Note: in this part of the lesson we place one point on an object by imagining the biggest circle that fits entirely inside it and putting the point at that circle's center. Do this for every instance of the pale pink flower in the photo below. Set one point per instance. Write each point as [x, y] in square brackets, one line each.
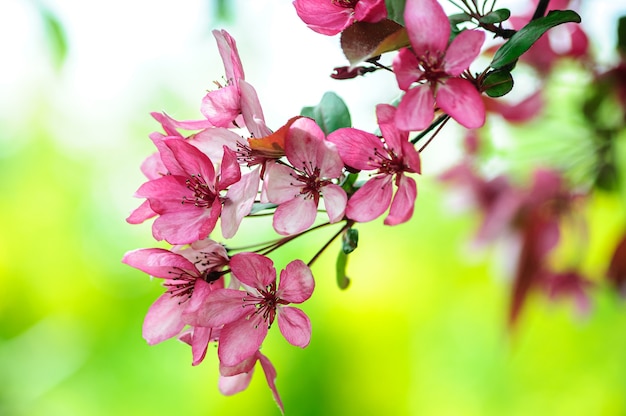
[234, 379]
[391, 156]
[330, 17]
[436, 67]
[297, 189]
[187, 199]
[247, 316]
[189, 276]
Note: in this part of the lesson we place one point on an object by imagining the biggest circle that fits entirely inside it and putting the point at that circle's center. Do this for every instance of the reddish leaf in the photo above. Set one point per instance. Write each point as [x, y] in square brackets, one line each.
[273, 145]
[362, 41]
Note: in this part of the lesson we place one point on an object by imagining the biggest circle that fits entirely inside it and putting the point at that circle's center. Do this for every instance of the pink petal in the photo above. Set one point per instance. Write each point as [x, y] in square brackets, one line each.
[427, 25]
[239, 200]
[386, 116]
[406, 68]
[357, 148]
[199, 342]
[211, 142]
[227, 48]
[302, 141]
[294, 216]
[252, 111]
[281, 186]
[416, 109]
[222, 106]
[229, 385]
[220, 307]
[410, 157]
[159, 262]
[241, 339]
[370, 11]
[192, 161]
[294, 325]
[186, 226]
[270, 376]
[335, 200]
[462, 51]
[403, 202]
[245, 366]
[230, 172]
[323, 16]
[141, 213]
[163, 320]
[460, 100]
[371, 200]
[296, 282]
[253, 269]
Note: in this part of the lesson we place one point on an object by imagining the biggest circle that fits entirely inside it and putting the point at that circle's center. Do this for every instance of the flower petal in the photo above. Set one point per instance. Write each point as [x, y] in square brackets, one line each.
[357, 148]
[241, 339]
[159, 262]
[294, 216]
[229, 385]
[222, 106]
[371, 200]
[296, 282]
[403, 202]
[294, 325]
[220, 307]
[270, 376]
[239, 200]
[253, 269]
[461, 101]
[416, 109]
[462, 51]
[427, 25]
[335, 200]
[406, 68]
[163, 320]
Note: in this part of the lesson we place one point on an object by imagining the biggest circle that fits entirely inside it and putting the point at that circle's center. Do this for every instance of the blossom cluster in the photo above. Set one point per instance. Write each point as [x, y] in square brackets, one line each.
[230, 164]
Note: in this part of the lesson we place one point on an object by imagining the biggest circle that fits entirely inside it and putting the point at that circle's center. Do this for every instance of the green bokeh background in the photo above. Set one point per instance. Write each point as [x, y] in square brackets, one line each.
[420, 331]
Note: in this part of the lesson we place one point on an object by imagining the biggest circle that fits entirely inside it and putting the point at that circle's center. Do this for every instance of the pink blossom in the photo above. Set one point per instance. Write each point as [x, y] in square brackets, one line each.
[189, 276]
[247, 316]
[392, 156]
[297, 189]
[330, 17]
[187, 199]
[436, 67]
[234, 379]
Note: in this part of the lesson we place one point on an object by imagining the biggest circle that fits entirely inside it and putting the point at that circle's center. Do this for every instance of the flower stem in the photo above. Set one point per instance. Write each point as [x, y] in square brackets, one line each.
[434, 124]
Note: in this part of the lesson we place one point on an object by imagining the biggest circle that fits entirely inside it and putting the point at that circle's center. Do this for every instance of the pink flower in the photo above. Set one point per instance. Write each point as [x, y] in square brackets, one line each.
[247, 316]
[234, 379]
[330, 17]
[391, 156]
[437, 68]
[189, 276]
[187, 199]
[297, 189]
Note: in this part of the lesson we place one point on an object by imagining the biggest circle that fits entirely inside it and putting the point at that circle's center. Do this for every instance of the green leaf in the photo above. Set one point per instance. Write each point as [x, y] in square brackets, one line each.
[496, 16]
[395, 10]
[497, 83]
[330, 114]
[258, 207]
[340, 267]
[348, 183]
[523, 39]
[457, 18]
[621, 34]
[56, 36]
[350, 240]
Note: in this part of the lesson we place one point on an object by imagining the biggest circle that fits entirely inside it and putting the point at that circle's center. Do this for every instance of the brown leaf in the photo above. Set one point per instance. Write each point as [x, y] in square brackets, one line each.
[362, 41]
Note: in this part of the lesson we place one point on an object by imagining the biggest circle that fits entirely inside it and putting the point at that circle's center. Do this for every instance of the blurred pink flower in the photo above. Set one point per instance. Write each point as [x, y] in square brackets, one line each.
[330, 17]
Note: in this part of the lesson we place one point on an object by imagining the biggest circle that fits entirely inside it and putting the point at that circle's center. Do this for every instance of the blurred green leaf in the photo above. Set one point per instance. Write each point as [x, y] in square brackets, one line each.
[523, 39]
[395, 10]
[55, 36]
[342, 280]
[498, 83]
[621, 34]
[330, 114]
[496, 16]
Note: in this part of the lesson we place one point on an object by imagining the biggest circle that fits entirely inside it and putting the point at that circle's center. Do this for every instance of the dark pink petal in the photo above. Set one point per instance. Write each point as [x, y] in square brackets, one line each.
[416, 109]
[357, 148]
[245, 366]
[252, 111]
[239, 200]
[270, 376]
[220, 307]
[253, 269]
[462, 51]
[227, 47]
[153, 166]
[371, 11]
[520, 112]
[241, 339]
[406, 68]
[164, 192]
[294, 325]
[371, 200]
[460, 100]
[294, 216]
[281, 185]
[222, 106]
[163, 320]
[296, 282]
[159, 262]
[192, 161]
[403, 202]
[428, 26]
[323, 17]
[386, 116]
[170, 125]
[187, 225]
[199, 342]
[335, 200]
[230, 172]
[141, 213]
[410, 157]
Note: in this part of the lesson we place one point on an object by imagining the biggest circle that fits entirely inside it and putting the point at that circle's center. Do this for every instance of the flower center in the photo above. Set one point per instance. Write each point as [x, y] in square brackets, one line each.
[265, 303]
[202, 194]
[180, 284]
[432, 66]
[348, 4]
